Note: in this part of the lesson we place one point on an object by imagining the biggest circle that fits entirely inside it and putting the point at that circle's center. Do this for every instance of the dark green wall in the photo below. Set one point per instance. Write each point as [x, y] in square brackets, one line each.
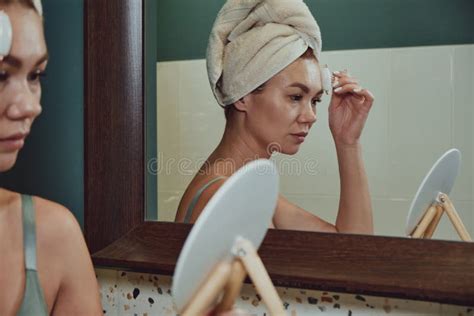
[51, 163]
[184, 25]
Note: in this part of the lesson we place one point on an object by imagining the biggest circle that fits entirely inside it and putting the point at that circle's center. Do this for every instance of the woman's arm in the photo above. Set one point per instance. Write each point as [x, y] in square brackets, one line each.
[78, 291]
[348, 111]
[290, 216]
[63, 251]
[355, 208]
[355, 212]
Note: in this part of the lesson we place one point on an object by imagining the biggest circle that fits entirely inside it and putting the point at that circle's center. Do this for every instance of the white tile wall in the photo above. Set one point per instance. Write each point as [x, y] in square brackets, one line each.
[424, 106]
[420, 109]
[169, 138]
[472, 105]
[463, 112]
[390, 216]
[446, 229]
[472, 138]
[168, 203]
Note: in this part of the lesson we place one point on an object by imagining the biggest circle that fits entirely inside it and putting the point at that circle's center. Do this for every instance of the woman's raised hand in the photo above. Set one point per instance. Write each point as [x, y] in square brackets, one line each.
[348, 110]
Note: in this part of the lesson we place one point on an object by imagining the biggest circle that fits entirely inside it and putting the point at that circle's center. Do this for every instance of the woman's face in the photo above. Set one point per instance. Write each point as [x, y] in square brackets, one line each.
[20, 88]
[282, 111]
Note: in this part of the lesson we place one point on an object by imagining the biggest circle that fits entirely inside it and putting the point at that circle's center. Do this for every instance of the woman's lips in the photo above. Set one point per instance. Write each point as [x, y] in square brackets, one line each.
[299, 137]
[12, 143]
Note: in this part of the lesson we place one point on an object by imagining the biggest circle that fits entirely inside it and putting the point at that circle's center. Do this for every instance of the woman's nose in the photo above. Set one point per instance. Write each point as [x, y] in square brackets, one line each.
[24, 103]
[308, 115]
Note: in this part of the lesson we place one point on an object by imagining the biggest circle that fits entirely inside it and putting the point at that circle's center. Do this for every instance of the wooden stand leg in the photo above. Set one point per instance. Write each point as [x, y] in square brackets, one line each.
[434, 223]
[209, 290]
[454, 217]
[233, 287]
[259, 276]
[425, 221]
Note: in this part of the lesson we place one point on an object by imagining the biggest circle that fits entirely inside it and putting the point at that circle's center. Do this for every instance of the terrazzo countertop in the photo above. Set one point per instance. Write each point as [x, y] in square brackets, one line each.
[141, 294]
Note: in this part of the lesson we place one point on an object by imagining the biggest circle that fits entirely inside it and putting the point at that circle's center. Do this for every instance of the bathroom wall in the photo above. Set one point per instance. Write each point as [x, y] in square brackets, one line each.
[344, 24]
[129, 293]
[424, 106]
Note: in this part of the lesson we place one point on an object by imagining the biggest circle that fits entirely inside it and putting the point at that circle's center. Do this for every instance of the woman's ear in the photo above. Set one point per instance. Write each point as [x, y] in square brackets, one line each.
[242, 104]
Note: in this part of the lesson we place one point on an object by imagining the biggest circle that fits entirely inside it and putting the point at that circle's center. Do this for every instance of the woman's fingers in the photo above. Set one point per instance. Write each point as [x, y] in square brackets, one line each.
[365, 93]
[338, 82]
[347, 88]
[341, 73]
[342, 78]
[344, 83]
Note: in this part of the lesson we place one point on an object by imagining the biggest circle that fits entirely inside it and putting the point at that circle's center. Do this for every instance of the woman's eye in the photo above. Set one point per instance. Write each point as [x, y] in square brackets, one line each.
[315, 102]
[296, 97]
[3, 76]
[36, 76]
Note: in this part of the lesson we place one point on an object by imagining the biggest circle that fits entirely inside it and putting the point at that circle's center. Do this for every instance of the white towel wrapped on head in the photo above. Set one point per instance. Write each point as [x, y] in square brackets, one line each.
[253, 40]
[38, 7]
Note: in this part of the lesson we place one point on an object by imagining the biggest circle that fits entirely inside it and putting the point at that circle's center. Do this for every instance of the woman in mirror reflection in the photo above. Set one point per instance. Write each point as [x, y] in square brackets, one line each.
[45, 267]
[263, 62]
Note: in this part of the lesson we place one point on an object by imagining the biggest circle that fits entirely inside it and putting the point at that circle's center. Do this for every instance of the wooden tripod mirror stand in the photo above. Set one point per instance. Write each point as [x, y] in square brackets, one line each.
[222, 246]
[432, 216]
[432, 199]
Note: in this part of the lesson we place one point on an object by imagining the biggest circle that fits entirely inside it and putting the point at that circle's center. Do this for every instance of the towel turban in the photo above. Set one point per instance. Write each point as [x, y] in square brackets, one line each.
[38, 7]
[253, 40]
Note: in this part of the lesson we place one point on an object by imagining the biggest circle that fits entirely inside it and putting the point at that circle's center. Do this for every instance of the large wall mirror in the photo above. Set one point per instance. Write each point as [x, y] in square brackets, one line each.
[420, 73]
[151, 120]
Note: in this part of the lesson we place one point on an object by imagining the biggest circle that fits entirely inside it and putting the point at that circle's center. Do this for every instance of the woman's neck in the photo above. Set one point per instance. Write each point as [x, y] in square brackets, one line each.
[236, 149]
[6, 197]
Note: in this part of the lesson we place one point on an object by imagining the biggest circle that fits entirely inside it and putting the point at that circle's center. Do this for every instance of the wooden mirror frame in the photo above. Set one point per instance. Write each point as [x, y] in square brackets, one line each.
[118, 235]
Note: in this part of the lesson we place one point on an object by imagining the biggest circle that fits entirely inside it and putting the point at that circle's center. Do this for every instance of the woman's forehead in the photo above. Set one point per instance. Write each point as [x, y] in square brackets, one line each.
[28, 35]
[303, 70]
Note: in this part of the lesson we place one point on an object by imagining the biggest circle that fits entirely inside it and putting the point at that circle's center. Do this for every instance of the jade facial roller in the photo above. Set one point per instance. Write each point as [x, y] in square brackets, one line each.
[5, 34]
[326, 77]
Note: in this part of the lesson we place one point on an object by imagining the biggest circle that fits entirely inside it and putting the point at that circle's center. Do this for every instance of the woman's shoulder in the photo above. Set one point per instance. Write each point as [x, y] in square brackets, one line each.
[45, 210]
[201, 189]
[63, 259]
[57, 228]
[53, 215]
[207, 185]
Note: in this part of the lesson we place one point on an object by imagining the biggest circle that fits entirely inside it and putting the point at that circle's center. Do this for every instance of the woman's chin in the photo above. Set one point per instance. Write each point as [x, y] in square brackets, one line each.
[7, 161]
[290, 150]
[286, 148]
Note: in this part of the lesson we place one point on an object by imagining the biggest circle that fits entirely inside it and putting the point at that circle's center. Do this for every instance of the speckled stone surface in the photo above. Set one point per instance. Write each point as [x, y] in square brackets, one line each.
[141, 294]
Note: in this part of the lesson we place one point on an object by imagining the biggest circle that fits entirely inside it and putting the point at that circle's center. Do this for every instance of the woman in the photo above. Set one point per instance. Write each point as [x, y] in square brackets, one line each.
[45, 267]
[263, 66]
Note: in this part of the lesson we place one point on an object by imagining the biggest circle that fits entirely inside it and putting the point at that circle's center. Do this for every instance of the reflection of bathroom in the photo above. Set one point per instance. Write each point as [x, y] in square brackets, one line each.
[408, 129]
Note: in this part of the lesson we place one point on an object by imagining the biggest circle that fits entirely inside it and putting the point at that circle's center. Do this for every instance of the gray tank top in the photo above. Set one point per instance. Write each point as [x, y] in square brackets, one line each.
[33, 300]
[189, 211]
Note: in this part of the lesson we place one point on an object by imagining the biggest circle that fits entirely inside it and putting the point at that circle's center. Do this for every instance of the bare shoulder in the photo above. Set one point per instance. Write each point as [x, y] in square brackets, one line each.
[208, 185]
[54, 215]
[57, 228]
[62, 249]
[209, 188]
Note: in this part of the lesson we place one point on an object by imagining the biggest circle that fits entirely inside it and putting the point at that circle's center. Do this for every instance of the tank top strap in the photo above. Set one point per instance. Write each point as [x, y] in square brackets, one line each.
[33, 300]
[189, 211]
[29, 231]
